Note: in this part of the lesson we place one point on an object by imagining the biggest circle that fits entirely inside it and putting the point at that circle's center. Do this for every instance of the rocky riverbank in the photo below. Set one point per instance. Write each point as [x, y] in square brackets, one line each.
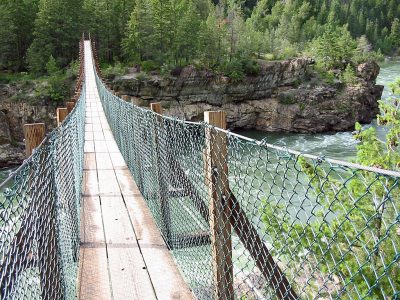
[20, 105]
[287, 96]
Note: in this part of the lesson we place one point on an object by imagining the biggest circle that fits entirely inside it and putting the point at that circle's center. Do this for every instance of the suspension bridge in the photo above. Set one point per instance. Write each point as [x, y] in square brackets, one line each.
[123, 202]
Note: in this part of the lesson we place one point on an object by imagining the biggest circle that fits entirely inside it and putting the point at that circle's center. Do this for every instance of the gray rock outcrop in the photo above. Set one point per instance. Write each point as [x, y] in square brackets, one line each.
[285, 97]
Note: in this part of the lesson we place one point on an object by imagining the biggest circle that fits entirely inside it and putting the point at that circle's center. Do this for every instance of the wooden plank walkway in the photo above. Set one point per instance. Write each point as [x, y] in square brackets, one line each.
[123, 255]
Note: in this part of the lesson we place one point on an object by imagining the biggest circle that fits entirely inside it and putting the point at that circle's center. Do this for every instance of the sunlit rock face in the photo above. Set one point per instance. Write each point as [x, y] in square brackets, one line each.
[287, 96]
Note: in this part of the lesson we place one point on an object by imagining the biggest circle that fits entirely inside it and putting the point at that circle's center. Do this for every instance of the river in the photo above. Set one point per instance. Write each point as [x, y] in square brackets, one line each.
[340, 145]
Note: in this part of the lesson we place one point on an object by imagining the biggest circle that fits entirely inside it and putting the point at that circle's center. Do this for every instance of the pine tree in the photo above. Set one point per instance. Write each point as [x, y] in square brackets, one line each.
[395, 33]
[57, 31]
[164, 24]
[16, 33]
[187, 32]
[139, 43]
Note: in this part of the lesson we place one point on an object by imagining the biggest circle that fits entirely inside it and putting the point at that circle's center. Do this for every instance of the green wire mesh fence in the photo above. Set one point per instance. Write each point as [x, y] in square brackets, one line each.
[287, 226]
[39, 216]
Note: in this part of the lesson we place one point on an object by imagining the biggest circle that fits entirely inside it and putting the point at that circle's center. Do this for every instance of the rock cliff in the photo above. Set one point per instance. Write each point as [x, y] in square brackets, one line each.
[287, 96]
[18, 106]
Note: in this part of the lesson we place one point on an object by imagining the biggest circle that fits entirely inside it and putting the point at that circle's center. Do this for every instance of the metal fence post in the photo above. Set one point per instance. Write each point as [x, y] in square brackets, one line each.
[220, 207]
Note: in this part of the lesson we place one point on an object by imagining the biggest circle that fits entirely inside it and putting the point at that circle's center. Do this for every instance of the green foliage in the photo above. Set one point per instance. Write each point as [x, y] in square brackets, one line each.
[334, 47]
[348, 76]
[58, 89]
[51, 66]
[148, 65]
[326, 75]
[348, 235]
[112, 71]
[286, 98]
[57, 31]
[14, 77]
[142, 76]
[234, 70]
[251, 67]
[206, 33]
[16, 32]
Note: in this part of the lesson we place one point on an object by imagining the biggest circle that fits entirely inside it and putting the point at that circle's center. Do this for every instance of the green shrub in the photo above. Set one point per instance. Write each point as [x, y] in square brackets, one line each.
[348, 76]
[73, 69]
[142, 76]
[286, 98]
[14, 77]
[234, 70]
[251, 67]
[149, 65]
[326, 75]
[56, 88]
[51, 66]
[117, 70]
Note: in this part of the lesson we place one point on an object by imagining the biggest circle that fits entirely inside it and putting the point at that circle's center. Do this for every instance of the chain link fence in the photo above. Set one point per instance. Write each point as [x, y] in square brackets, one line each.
[248, 220]
[39, 216]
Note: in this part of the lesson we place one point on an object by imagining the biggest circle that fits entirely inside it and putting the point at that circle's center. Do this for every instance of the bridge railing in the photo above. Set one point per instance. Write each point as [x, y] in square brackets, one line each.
[39, 214]
[249, 220]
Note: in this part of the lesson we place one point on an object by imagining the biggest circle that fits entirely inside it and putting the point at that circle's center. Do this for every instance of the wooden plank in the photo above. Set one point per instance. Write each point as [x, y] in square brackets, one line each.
[95, 120]
[89, 136]
[88, 127]
[62, 113]
[92, 223]
[108, 184]
[99, 146]
[127, 185]
[118, 161]
[117, 226]
[103, 161]
[112, 146]
[98, 136]
[94, 280]
[97, 127]
[89, 161]
[220, 207]
[70, 106]
[129, 277]
[89, 146]
[167, 280]
[90, 183]
[34, 135]
[108, 135]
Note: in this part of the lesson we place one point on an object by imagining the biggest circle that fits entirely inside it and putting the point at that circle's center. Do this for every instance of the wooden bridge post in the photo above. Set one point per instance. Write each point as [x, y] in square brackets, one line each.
[62, 113]
[163, 188]
[70, 106]
[34, 135]
[220, 206]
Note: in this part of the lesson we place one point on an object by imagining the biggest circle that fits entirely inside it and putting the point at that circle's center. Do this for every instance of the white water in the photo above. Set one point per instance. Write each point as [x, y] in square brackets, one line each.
[340, 145]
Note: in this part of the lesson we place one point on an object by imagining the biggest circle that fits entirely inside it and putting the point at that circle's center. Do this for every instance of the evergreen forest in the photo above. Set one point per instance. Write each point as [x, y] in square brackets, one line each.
[226, 35]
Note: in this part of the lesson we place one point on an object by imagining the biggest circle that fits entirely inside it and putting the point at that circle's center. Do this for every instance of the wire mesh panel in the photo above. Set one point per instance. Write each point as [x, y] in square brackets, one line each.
[300, 227]
[39, 216]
